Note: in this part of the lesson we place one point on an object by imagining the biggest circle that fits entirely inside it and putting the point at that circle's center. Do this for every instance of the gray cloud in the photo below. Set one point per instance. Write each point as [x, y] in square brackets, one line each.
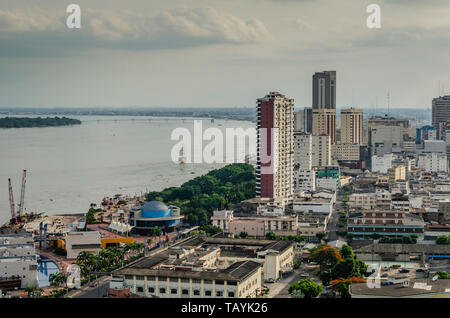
[38, 33]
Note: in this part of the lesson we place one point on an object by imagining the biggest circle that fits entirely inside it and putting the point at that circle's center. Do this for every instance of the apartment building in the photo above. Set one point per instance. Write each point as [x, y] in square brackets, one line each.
[275, 146]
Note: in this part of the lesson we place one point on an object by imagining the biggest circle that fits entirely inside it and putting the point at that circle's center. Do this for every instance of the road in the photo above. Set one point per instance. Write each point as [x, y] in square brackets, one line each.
[91, 292]
[334, 220]
[280, 289]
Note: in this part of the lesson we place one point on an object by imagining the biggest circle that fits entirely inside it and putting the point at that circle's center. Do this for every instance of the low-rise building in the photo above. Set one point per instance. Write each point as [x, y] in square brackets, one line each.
[18, 260]
[257, 226]
[385, 223]
[77, 242]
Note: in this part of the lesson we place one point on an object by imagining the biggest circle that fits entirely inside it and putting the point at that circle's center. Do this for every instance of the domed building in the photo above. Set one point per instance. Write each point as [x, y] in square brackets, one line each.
[154, 213]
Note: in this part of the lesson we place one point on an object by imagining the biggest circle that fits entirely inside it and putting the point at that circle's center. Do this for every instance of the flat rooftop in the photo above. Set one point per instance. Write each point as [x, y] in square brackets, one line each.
[418, 288]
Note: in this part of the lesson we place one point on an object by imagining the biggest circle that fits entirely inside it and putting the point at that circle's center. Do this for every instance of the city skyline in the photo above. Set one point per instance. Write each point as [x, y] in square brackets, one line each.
[187, 55]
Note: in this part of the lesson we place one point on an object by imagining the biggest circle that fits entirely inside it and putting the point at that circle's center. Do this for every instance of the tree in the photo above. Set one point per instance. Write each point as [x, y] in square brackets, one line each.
[326, 256]
[442, 275]
[320, 235]
[271, 236]
[307, 287]
[443, 240]
[90, 216]
[347, 252]
[86, 261]
[243, 234]
[345, 269]
[56, 279]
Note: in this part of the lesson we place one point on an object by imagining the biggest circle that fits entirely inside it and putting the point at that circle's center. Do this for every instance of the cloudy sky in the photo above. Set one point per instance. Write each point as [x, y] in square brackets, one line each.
[208, 53]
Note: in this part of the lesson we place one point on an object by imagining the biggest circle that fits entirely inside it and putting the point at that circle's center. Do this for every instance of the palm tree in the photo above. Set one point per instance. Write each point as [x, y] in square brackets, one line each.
[57, 279]
[31, 290]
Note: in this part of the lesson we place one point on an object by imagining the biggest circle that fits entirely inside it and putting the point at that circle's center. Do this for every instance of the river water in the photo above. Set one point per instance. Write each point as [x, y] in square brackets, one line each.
[70, 167]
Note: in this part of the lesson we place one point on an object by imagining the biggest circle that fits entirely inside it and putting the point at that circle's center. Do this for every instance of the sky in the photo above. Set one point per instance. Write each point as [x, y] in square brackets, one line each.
[221, 53]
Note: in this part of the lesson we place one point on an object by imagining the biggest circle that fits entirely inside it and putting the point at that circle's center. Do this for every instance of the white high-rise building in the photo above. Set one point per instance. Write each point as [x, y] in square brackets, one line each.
[275, 158]
[321, 150]
[302, 151]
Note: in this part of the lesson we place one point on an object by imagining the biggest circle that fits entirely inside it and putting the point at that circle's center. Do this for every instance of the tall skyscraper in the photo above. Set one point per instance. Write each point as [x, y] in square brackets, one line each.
[324, 90]
[352, 126]
[303, 120]
[440, 112]
[324, 123]
[275, 152]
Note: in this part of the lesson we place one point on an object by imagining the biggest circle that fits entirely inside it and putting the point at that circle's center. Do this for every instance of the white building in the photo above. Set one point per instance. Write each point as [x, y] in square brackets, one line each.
[240, 280]
[312, 205]
[302, 151]
[382, 163]
[328, 183]
[304, 180]
[18, 259]
[433, 162]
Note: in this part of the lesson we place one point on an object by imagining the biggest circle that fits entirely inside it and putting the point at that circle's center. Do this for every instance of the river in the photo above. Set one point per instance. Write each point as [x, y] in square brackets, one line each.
[70, 167]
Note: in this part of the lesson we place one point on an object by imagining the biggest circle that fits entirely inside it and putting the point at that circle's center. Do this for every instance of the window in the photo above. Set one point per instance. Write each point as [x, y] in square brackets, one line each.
[162, 290]
[173, 291]
[219, 293]
[230, 294]
[185, 292]
[140, 289]
[196, 292]
[207, 293]
[151, 290]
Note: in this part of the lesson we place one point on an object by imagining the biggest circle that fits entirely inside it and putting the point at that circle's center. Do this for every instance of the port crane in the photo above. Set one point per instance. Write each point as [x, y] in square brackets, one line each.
[17, 216]
[11, 202]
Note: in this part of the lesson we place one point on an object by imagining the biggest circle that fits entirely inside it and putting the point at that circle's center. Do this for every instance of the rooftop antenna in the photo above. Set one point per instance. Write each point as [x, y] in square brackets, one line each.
[376, 106]
[388, 102]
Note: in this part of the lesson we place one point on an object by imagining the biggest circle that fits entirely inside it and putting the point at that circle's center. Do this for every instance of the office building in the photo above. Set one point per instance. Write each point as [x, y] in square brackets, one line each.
[440, 111]
[351, 126]
[324, 123]
[324, 90]
[303, 120]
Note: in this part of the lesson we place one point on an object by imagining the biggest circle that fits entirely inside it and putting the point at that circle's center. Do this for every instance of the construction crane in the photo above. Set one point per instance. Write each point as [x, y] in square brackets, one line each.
[11, 201]
[22, 194]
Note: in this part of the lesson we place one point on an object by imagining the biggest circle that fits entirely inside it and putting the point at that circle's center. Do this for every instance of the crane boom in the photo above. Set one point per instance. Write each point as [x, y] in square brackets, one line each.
[22, 193]
[11, 200]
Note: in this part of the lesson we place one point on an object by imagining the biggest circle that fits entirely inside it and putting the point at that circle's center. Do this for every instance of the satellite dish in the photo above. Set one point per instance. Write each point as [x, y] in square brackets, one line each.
[435, 278]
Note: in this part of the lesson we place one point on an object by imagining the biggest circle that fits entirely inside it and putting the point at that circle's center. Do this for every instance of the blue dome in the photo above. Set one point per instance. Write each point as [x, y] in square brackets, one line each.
[154, 206]
[155, 209]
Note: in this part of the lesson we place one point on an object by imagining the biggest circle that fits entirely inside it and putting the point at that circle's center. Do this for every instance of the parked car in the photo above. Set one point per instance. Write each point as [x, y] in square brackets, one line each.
[403, 271]
[420, 270]
[385, 275]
